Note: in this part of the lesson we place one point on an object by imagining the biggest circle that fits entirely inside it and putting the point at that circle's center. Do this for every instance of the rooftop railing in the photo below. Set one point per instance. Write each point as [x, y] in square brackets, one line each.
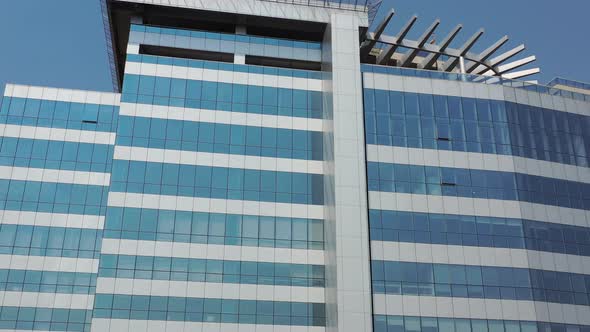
[570, 83]
[433, 74]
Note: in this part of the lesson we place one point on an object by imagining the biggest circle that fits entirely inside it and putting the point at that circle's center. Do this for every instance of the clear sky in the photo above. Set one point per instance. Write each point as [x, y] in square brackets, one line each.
[60, 43]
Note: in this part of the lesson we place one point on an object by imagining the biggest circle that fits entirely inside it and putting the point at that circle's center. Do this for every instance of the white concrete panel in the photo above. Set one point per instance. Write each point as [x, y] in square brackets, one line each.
[218, 160]
[66, 95]
[54, 176]
[210, 251]
[214, 116]
[12, 217]
[103, 324]
[214, 205]
[47, 300]
[46, 263]
[462, 308]
[212, 75]
[57, 134]
[348, 292]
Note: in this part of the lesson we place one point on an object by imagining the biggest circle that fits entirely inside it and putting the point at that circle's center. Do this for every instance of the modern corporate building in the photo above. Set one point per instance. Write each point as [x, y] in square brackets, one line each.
[277, 166]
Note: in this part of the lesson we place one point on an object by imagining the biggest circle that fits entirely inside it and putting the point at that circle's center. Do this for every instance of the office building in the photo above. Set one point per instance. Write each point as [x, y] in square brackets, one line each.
[279, 166]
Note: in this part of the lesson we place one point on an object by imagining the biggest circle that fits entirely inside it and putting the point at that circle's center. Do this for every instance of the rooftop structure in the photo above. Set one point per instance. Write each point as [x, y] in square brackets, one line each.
[298, 19]
[272, 166]
[570, 85]
[425, 53]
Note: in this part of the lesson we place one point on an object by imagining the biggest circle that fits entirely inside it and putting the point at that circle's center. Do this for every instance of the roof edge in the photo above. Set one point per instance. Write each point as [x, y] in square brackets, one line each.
[106, 21]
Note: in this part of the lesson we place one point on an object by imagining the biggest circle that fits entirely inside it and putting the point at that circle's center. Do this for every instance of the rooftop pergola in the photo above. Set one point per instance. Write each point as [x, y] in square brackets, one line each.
[426, 54]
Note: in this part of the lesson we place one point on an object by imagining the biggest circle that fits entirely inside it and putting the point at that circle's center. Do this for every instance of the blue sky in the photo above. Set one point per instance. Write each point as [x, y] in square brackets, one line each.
[60, 43]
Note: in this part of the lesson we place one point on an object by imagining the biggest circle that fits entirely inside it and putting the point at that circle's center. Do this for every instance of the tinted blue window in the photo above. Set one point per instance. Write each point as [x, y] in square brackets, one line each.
[478, 231]
[44, 113]
[478, 184]
[181, 269]
[478, 282]
[233, 139]
[211, 310]
[60, 194]
[43, 318]
[212, 228]
[265, 185]
[476, 125]
[221, 96]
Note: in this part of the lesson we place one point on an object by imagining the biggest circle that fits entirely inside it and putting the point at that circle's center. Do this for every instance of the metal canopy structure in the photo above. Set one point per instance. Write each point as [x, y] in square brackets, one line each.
[426, 54]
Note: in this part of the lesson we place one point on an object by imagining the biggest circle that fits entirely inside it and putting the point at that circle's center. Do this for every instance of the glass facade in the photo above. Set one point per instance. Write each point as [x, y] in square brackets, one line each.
[213, 194]
[227, 37]
[465, 230]
[222, 96]
[203, 118]
[48, 319]
[408, 133]
[209, 310]
[220, 138]
[479, 282]
[219, 271]
[55, 156]
[77, 157]
[445, 181]
[475, 125]
[214, 228]
[434, 324]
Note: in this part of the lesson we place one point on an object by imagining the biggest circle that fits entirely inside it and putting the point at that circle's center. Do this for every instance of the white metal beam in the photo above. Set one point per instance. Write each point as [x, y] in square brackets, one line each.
[368, 45]
[452, 62]
[500, 59]
[431, 59]
[388, 52]
[522, 73]
[409, 57]
[516, 64]
[483, 56]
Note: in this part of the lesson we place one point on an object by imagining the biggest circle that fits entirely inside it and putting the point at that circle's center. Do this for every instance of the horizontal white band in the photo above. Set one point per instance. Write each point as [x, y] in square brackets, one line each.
[65, 95]
[474, 90]
[47, 300]
[10, 217]
[57, 134]
[104, 324]
[307, 11]
[479, 256]
[214, 205]
[47, 263]
[17, 330]
[478, 207]
[224, 117]
[449, 307]
[222, 76]
[218, 160]
[475, 160]
[54, 175]
[209, 290]
[212, 251]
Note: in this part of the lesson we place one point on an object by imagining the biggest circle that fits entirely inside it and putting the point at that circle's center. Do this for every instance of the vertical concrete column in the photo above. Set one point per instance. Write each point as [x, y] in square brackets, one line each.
[348, 292]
